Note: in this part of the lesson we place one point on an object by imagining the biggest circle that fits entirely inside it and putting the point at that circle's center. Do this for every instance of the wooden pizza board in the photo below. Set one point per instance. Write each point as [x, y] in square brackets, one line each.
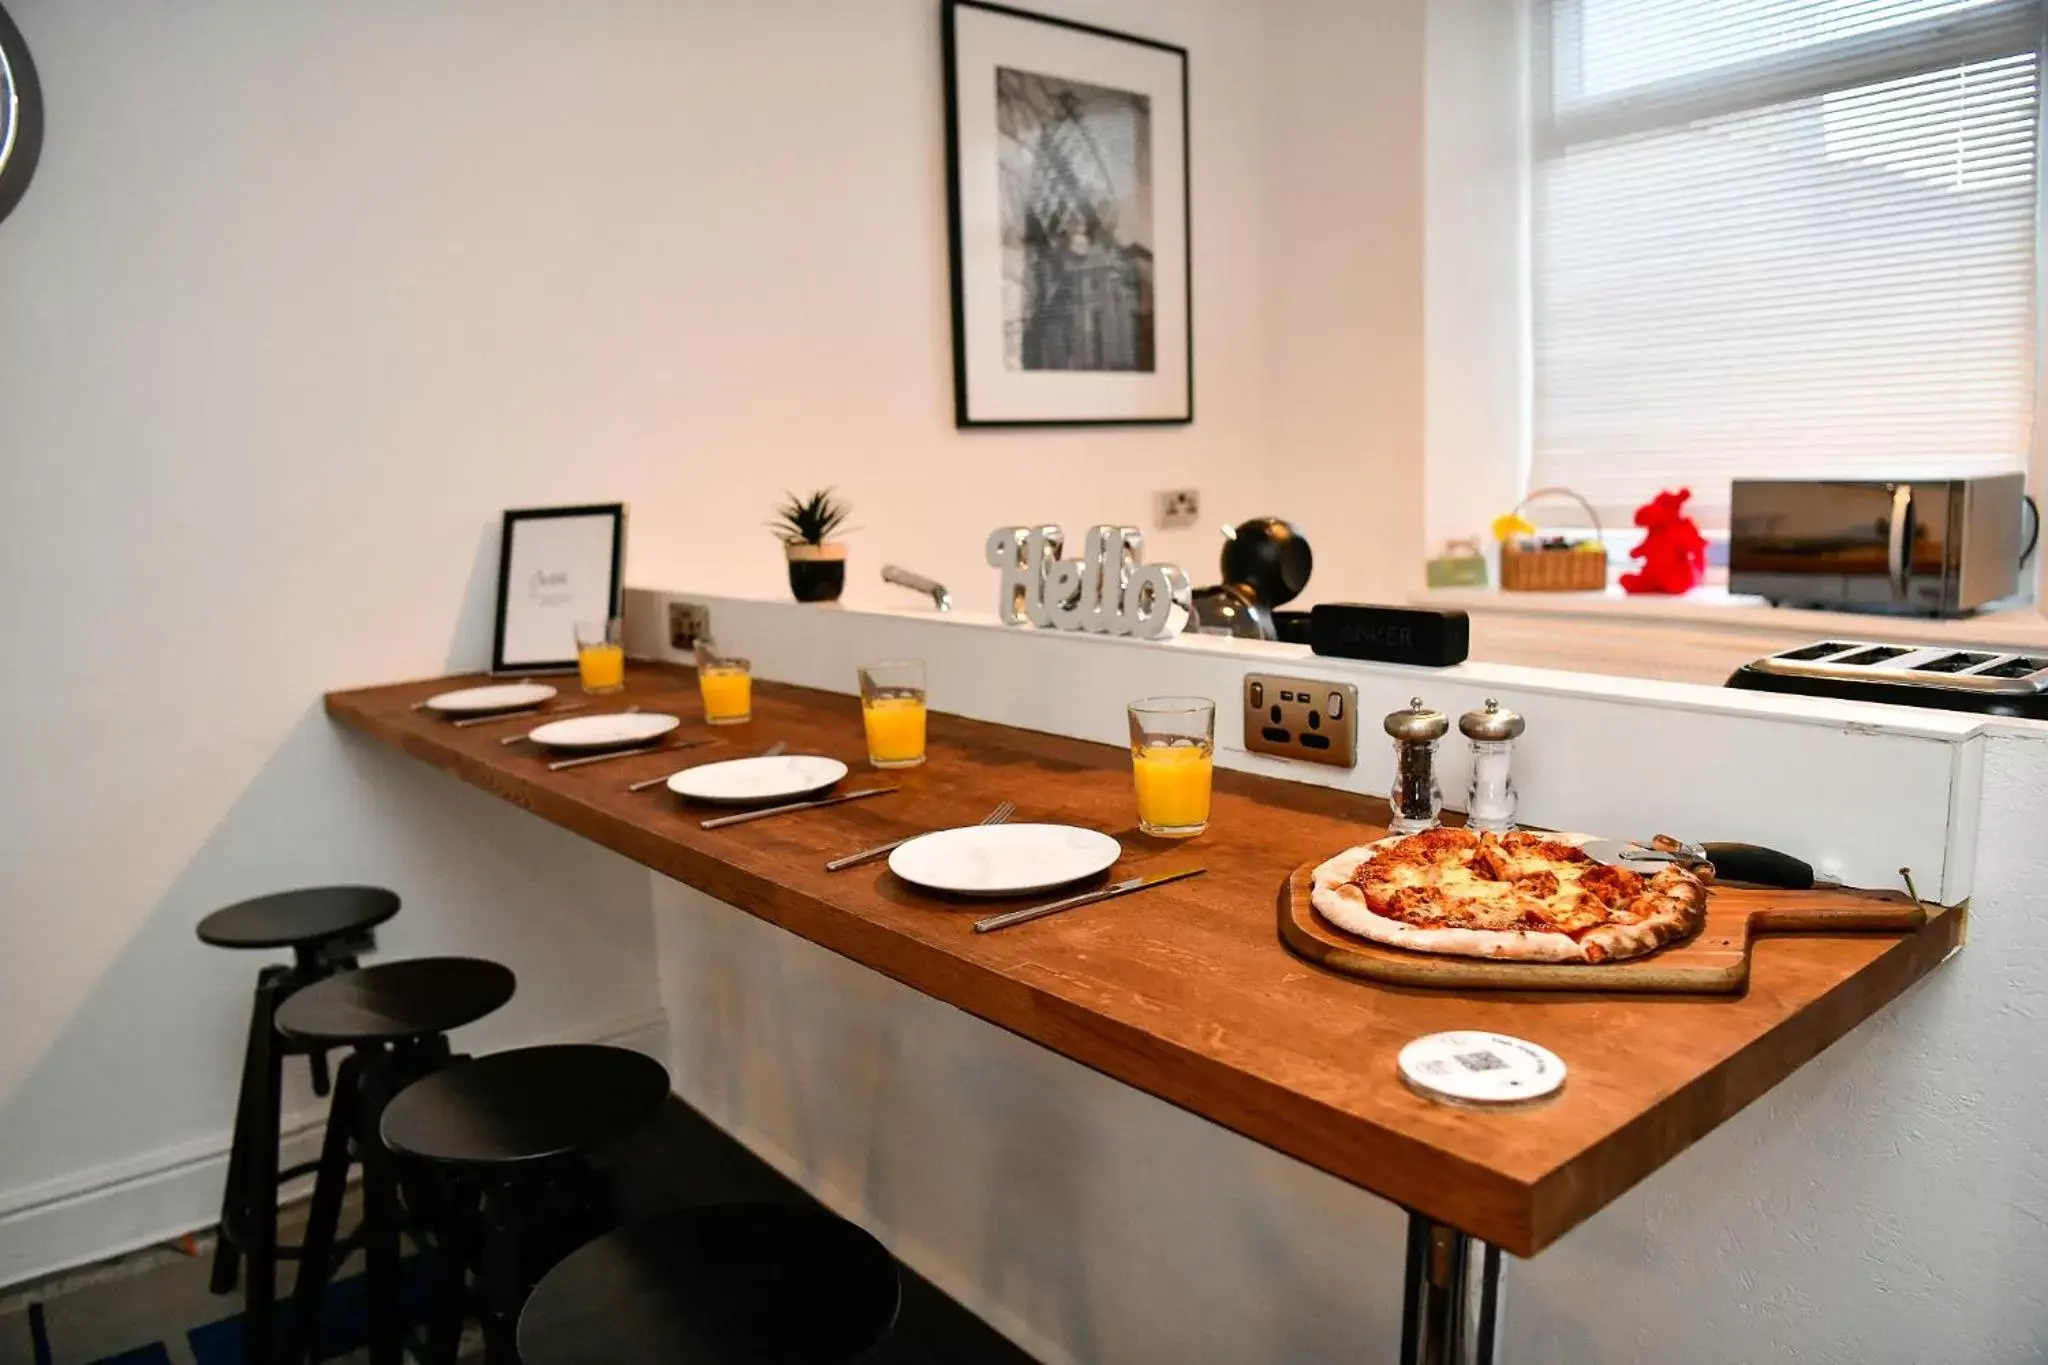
[1715, 961]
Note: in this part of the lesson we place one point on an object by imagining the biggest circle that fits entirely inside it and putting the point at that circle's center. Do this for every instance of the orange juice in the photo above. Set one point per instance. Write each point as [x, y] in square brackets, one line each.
[728, 694]
[1173, 788]
[895, 731]
[602, 667]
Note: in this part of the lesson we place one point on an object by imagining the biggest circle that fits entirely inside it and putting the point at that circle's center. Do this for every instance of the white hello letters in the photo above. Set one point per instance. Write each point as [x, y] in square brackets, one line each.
[1107, 591]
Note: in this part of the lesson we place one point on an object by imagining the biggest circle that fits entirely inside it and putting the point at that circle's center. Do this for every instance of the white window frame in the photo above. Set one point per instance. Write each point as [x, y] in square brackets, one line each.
[1466, 483]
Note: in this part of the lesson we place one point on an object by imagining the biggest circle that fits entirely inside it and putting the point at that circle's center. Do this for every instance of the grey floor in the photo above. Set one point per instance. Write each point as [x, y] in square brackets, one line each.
[148, 1296]
[678, 1161]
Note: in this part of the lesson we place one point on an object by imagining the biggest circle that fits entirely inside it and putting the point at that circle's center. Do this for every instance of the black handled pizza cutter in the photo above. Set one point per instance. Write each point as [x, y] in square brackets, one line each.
[1750, 864]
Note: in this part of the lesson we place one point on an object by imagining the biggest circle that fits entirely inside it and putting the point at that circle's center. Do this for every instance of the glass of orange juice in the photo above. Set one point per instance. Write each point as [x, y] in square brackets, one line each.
[727, 684]
[892, 707]
[601, 656]
[1173, 743]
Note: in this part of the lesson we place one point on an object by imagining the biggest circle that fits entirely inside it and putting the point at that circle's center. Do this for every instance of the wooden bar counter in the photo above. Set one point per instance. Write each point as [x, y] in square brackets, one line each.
[1185, 992]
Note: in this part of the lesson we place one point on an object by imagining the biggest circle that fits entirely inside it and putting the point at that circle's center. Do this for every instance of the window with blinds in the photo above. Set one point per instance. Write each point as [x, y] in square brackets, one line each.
[1781, 238]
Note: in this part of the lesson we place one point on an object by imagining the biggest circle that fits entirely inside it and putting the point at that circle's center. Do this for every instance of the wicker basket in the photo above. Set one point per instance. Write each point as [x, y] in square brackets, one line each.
[1557, 570]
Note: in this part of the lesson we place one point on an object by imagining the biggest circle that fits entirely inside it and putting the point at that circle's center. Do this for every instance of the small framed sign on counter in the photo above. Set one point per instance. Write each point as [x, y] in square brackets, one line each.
[556, 566]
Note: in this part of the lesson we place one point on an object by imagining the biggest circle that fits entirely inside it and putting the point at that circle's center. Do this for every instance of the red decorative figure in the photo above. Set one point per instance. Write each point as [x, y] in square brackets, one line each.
[1673, 553]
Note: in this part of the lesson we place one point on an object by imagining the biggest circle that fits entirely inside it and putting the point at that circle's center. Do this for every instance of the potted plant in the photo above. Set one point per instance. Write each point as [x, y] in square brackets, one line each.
[817, 564]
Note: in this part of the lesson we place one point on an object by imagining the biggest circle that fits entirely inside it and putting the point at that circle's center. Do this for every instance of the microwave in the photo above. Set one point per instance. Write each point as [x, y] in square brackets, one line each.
[1939, 547]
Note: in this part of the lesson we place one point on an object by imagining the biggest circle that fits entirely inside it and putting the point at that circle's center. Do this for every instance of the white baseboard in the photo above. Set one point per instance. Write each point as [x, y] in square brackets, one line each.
[160, 1196]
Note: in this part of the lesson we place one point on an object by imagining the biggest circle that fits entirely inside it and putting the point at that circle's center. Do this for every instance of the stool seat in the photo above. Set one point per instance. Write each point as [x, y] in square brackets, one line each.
[726, 1284]
[298, 919]
[526, 1105]
[393, 1002]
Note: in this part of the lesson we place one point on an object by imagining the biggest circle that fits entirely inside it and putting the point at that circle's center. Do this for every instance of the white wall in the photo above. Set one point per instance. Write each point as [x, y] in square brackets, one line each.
[302, 296]
[1476, 153]
[1344, 220]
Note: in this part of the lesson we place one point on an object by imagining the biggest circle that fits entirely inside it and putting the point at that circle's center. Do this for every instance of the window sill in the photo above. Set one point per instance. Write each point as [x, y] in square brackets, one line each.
[1701, 637]
[2020, 626]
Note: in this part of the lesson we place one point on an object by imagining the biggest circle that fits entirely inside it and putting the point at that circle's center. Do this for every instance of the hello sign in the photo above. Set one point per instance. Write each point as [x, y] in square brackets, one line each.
[1106, 591]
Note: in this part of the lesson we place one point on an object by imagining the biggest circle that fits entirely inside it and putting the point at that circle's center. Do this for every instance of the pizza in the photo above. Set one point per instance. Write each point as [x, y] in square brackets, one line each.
[1517, 896]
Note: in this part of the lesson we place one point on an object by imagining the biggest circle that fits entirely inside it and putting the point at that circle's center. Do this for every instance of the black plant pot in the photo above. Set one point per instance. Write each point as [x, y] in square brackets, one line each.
[814, 577]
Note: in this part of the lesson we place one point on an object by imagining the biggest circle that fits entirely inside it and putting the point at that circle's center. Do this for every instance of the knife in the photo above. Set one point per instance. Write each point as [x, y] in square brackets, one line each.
[518, 715]
[722, 821]
[611, 754]
[1110, 892]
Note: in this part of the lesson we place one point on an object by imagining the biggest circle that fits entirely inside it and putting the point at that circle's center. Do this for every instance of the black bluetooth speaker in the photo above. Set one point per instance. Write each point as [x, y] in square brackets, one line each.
[1390, 635]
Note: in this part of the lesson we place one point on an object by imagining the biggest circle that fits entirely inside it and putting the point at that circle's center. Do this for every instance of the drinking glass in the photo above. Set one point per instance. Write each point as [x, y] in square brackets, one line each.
[601, 656]
[892, 707]
[727, 684]
[1173, 742]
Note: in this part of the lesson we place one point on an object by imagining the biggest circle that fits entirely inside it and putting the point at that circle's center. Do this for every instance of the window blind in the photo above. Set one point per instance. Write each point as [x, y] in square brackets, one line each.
[1781, 238]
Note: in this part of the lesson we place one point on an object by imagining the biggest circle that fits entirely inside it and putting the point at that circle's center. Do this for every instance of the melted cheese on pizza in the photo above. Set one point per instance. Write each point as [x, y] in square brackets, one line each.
[1454, 878]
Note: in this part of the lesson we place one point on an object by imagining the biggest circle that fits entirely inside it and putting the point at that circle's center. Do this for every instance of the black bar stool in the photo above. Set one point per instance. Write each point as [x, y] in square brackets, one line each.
[508, 1134]
[323, 926]
[396, 1017]
[726, 1284]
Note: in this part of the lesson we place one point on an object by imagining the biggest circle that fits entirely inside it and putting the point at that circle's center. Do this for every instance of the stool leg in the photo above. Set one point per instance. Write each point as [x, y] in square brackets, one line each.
[380, 1212]
[259, 1319]
[316, 1259]
[234, 1198]
[453, 1247]
[317, 1061]
[500, 1281]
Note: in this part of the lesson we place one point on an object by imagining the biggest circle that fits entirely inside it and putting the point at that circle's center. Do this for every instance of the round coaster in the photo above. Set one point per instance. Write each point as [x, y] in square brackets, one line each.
[1480, 1068]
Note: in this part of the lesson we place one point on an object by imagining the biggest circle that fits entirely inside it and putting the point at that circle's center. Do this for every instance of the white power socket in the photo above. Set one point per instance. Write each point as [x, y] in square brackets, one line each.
[1173, 508]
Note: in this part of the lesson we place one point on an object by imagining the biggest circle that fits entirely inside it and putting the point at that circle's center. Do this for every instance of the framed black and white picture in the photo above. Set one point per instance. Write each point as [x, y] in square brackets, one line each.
[1067, 179]
[557, 566]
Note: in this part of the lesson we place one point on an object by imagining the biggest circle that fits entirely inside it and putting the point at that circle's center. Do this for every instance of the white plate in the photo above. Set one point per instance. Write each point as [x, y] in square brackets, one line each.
[613, 731]
[477, 701]
[755, 781]
[1004, 860]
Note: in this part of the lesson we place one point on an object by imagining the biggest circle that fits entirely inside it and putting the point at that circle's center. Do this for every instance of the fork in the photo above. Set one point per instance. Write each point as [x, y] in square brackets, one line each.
[772, 751]
[999, 815]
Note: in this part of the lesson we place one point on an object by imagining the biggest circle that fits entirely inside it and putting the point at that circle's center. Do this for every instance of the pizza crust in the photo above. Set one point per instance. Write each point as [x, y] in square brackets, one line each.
[1679, 911]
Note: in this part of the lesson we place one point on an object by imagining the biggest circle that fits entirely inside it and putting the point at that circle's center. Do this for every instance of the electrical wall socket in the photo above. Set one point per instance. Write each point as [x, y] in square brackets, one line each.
[1316, 722]
[1173, 508]
[688, 622]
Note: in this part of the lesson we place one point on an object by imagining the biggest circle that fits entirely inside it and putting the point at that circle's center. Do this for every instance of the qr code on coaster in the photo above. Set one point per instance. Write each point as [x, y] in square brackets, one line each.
[1480, 1061]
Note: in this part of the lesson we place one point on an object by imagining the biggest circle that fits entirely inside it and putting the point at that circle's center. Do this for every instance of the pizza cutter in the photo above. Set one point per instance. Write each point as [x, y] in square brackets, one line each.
[1751, 864]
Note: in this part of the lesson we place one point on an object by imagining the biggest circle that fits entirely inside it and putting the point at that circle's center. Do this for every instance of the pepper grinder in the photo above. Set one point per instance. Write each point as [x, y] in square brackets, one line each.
[1490, 804]
[1417, 795]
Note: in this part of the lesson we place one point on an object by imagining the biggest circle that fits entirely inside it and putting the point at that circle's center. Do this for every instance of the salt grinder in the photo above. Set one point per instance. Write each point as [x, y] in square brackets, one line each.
[1417, 795]
[1490, 804]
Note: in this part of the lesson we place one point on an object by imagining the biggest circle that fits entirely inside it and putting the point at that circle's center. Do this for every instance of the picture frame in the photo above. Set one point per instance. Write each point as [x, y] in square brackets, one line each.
[556, 566]
[1068, 223]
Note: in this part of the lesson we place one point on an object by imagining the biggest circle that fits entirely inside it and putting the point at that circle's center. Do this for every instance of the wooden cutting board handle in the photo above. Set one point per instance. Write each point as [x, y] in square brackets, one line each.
[1842, 917]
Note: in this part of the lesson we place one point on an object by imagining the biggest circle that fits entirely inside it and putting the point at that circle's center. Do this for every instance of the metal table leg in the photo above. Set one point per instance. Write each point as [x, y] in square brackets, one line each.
[1451, 1298]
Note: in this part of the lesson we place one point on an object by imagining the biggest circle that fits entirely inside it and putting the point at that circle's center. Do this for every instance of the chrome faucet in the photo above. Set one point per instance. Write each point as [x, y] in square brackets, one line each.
[904, 578]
